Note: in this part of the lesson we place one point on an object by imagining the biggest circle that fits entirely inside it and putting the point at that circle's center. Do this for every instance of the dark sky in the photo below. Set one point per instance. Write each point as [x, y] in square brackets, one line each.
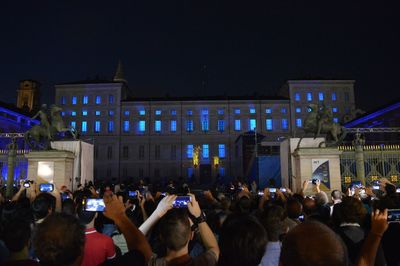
[247, 46]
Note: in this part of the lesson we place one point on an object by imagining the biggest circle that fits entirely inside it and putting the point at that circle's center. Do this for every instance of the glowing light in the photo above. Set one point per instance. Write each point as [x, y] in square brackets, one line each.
[46, 170]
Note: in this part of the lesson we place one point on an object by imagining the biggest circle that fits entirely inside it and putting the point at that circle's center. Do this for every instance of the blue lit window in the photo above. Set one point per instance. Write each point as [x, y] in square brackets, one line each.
[62, 113]
[63, 100]
[97, 113]
[142, 112]
[283, 110]
[204, 112]
[204, 124]
[173, 112]
[110, 98]
[309, 96]
[237, 111]
[126, 126]
[334, 98]
[268, 111]
[126, 112]
[98, 99]
[84, 113]
[206, 151]
[110, 126]
[221, 171]
[189, 112]
[334, 109]
[189, 125]
[299, 122]
[252, 110]
[73, 124]
[73, 113]
[268, 124]
[142, 126]
[173, 126]
[157, 125]
[190, 172]
[336, 120]
[73, 100]
[221, 125]
[189, 151]
[297, 96]
[97, 126]
[252, 124]
[237, 125]
[298, 110]
[220, 111]
[321, 96]
[110, 112]
[84, 126]
[284, 124]
[85, 99]
[221, 150]
[158, 112]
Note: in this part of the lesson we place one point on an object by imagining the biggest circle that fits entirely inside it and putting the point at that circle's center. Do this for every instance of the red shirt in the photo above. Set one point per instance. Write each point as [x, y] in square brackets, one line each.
[98, 248]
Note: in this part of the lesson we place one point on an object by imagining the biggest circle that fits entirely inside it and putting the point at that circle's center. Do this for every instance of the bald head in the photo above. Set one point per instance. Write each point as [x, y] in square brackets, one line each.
[313, 243]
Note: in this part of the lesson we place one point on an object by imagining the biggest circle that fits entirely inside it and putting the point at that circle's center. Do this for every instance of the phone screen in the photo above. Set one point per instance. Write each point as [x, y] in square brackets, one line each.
[26, 184]
[272, 190]
[283, 189]
[357, 184]
[397, 190]
[64, 196]
[94, 205]
[260, 193]
[46, 187]
[132, 194]
[375, 187]
[393, 215]
[301, 218]
[181, 201]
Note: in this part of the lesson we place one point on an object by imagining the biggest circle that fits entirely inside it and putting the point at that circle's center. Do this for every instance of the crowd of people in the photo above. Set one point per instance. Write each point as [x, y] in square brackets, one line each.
[237, 224]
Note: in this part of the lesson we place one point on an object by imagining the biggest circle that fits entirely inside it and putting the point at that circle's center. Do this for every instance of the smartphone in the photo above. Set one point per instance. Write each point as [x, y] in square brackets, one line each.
[362, 191]
[272, 190]
[393, 215]
[181, 201]
[27, 184]
[260, 193]
[46, 187]
[132, 193]
[375, 187]
[64, 196]
[314, 181]
[164, 194]
[397, 190]
[301, 218]
[94, 205]
[282, 189]
[356, 184]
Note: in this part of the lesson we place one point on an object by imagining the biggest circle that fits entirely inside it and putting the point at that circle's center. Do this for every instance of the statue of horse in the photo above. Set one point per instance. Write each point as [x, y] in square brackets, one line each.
[58, 124]
[37, 138]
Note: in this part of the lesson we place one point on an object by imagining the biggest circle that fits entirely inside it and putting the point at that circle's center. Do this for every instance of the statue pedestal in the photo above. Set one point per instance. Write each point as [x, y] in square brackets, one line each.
[51, 167]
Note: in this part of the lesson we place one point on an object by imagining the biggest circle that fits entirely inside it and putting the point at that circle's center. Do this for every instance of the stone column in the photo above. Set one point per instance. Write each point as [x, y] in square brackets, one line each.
[358, 144]
[12, 154]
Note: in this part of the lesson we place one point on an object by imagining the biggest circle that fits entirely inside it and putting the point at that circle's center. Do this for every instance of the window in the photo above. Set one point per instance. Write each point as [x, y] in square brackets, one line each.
[85, 99]
[84, 113]
[158, 112]
[63, 100]
[98, 99]
[204, 112]
[73, 124]
[206, 152]
[252, 110]
[62, 113]
[237, 125]
[73, 113]
[204, 123]
[125, 152]
[84, 126]
[97, 126]
[189, 112]
[347, 110]
[141, 152]
[220, 111]
[190, 172]
[142, 126]
[321, 96]
[110, 98]
[284, 124]
[268, 124]
[283, 110]
[109, 152]
[126, 112]
[173, 126]
[73, 100]
[268, 110]
[189, 151]
[297, 96]
[110, 112]
[189, 125]
[173, 152]
[221, 171]
[221, 125]
[142, 112]
[334, 109]
[173, 112]
[298, 110]
[309, 96]
[252, 124]
[126, 126]
[237, 111]
[221, 150]
[336, 120]
[298, 122]
[334, 98]
[97, 113]
[157, 125]
[157, 152]
[346, 97]
[110, 126]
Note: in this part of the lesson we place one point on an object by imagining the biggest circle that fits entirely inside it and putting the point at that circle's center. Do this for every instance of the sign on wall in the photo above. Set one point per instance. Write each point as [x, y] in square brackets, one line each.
[320, 170]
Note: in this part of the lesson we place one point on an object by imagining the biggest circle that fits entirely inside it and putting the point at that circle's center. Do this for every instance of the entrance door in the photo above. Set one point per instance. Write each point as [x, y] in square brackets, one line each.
[205, 173]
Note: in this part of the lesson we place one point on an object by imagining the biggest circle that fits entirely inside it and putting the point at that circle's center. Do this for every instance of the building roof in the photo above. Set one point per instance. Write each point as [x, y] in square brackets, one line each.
[206, 98]
[96, 80]
[15, 109]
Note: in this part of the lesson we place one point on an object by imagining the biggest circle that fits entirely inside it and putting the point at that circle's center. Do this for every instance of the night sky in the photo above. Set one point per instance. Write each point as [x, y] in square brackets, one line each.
[247, 46]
